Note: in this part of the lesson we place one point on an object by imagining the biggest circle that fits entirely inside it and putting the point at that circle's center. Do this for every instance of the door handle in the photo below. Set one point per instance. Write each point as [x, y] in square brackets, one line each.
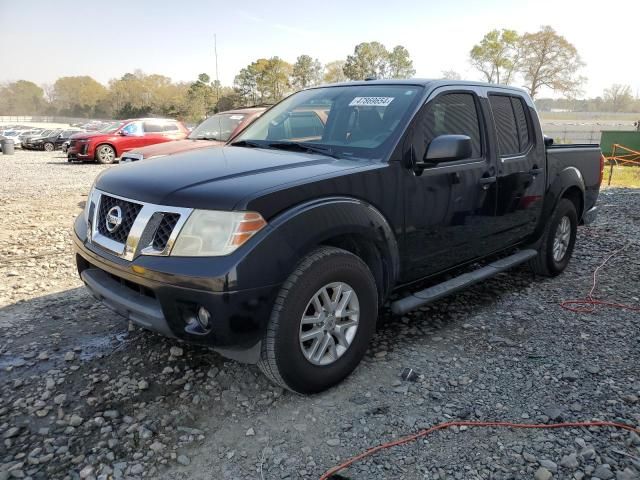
[487, 180]
[536, 171]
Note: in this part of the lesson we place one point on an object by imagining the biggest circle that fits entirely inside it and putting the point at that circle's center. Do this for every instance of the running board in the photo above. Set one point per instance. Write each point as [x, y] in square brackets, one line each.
[465, 280]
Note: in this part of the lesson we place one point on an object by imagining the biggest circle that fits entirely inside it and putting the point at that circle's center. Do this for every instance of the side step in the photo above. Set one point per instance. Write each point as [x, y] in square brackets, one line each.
[443, 289]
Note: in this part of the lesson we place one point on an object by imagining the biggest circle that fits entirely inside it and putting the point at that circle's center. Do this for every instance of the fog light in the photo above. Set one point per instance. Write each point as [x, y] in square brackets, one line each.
[204, 317]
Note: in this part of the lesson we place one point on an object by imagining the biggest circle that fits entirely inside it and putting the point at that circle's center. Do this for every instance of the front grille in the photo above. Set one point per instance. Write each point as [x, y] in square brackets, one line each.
[168, 223]
[129, 210]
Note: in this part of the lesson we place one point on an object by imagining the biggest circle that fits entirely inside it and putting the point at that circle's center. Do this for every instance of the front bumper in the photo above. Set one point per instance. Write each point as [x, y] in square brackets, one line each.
[166, 300]
[80, 151]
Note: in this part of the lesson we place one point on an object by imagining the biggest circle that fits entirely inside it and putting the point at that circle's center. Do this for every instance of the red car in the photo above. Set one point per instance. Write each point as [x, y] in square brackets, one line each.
[215, 131]
[112, 141]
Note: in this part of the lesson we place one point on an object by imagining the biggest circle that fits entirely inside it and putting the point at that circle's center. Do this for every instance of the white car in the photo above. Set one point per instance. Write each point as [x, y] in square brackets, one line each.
[15, 136]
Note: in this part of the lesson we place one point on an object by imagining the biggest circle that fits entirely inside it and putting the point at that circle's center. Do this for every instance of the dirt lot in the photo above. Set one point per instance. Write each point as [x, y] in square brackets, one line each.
[83, 397]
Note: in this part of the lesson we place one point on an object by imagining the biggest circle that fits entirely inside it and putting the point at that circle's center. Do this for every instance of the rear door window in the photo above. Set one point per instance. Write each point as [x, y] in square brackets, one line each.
[512, 125]
[170, 127]
[153, 127]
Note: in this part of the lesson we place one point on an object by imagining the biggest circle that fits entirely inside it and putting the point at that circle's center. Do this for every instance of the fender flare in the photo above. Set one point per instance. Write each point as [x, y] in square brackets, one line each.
[292, 234]
[567, 178]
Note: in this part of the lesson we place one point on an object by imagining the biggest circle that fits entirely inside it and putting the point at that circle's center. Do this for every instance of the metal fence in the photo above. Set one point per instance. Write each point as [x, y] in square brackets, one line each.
[573, 136]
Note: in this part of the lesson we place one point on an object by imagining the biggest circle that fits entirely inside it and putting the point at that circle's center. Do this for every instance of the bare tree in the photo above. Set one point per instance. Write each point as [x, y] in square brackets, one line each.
[549, 60]
[451, 75]
[617, 97]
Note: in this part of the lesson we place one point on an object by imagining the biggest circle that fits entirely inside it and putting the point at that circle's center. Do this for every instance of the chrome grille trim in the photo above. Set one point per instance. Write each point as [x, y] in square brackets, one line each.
[132, 247]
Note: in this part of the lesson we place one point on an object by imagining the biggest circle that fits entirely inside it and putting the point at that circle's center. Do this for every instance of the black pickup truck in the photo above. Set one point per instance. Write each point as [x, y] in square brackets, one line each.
[280, 247]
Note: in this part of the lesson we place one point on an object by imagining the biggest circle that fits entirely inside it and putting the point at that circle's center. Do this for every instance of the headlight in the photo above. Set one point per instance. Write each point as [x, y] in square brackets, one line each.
[87, 205]
[210, 233]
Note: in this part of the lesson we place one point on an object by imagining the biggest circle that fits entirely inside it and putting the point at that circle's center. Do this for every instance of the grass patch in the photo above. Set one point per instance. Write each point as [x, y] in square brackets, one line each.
[622, 176]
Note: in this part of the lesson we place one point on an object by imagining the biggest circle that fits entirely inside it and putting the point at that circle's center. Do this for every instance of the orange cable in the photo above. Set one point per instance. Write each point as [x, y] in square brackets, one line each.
[588, 304]
[442, 426]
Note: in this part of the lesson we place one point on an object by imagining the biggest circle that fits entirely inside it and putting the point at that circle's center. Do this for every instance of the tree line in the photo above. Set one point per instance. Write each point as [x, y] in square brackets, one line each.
[264, 81]
[535, 60]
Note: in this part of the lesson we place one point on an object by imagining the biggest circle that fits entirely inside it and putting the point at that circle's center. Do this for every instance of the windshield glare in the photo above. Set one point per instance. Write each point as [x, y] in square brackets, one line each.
[218, 127]
[358, 120]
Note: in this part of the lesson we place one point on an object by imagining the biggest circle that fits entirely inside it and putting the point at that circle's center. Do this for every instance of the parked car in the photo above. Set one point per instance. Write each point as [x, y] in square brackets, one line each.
[111, 142]
[13, 135]
[51, 142]
[214, 131]
[37, 142]
[280, 247]
[28, 139]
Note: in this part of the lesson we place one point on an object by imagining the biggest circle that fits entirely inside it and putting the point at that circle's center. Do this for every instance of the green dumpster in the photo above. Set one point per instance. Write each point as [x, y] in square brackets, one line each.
[627, 138]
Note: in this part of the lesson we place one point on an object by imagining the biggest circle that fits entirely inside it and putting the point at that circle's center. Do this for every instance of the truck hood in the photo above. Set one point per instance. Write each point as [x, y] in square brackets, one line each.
[177, 146]
[218, 178]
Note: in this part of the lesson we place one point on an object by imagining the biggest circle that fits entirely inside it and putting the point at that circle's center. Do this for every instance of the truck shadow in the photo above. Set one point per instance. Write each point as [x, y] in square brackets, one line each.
[73, 321]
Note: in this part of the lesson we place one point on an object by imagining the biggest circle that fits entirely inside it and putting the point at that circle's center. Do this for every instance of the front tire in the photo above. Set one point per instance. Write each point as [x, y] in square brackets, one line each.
[49, 147]
[105, 154]
[558, 240]
[321, 323]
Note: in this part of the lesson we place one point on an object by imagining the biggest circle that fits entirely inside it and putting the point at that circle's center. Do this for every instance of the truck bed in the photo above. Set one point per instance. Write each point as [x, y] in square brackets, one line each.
[585, 158]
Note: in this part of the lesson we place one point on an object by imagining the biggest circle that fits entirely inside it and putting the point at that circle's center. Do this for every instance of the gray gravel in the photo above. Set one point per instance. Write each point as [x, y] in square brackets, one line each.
[84, 396]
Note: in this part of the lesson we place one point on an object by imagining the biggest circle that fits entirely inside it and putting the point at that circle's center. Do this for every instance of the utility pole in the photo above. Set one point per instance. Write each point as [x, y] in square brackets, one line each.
[215, 52]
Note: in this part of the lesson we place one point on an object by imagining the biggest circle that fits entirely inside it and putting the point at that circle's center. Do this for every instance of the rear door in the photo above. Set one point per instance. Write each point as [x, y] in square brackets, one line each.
[521, 163]
[449, 206]
[154, 132]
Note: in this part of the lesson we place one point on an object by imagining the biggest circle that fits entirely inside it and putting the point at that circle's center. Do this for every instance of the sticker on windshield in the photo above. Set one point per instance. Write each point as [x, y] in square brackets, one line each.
[236, 117]
[371, 101]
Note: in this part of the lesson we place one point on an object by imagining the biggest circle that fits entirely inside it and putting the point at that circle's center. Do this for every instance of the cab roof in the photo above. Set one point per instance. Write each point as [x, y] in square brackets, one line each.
[425, 82]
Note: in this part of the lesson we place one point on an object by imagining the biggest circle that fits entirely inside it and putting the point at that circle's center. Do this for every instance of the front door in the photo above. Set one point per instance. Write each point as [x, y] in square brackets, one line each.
[133, 137]
[450, 205]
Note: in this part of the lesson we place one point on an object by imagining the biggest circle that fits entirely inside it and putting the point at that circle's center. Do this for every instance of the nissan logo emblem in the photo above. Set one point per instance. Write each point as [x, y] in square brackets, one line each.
[114, 219]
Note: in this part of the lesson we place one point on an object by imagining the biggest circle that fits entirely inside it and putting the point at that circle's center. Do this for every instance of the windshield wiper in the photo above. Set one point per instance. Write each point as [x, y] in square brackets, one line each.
[303, 147]
[248, 143]
[201, 137]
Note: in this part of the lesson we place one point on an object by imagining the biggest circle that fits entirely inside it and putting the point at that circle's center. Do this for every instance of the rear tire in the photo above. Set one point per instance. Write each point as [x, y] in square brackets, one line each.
[332, 278]
[558, 240]
[105, 154]
[49, 147]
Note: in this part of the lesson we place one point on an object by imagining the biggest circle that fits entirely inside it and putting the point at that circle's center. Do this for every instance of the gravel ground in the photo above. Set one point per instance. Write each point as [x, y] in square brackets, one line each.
[82, 396]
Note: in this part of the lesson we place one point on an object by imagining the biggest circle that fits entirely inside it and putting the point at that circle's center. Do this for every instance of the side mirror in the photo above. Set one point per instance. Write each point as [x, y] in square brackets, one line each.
[548, 141]
[447, 148]
[123, 133]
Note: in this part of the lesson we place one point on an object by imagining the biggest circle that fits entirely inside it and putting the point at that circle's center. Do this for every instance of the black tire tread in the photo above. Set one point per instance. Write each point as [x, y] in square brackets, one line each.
[540, 263]
[267, 362]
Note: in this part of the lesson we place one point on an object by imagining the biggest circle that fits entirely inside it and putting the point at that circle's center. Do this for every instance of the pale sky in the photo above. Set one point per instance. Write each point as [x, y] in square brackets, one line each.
[42, 40]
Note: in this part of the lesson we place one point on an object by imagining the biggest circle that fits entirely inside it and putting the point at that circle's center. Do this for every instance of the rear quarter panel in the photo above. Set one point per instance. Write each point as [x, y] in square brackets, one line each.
[585, 159]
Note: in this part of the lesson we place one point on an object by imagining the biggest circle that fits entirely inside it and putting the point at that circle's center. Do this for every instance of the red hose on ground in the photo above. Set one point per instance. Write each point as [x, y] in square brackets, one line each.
[442, 426]
[588, 304]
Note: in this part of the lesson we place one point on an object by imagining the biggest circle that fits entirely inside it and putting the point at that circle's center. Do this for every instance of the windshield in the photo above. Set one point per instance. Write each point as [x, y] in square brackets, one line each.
[358, 120]
[111, 127]
[218, 127]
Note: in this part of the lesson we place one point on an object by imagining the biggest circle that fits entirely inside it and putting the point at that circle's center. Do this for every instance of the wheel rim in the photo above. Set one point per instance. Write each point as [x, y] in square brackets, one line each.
[48, 147]
[561, 239]
[329, 323]
[106, 154]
